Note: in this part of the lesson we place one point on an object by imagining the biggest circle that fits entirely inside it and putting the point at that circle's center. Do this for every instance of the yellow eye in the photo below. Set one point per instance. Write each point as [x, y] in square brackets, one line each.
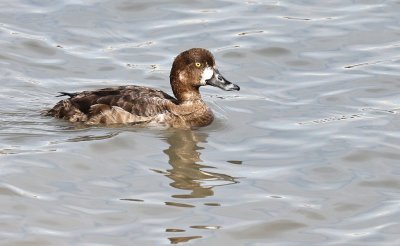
[198, 64]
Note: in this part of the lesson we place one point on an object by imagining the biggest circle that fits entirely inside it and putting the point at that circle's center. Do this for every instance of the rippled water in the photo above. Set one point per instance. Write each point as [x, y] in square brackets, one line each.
[307, 153]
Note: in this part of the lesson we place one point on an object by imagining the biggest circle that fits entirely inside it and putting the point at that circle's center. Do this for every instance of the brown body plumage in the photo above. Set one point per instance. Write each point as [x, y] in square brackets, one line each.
[141, 105]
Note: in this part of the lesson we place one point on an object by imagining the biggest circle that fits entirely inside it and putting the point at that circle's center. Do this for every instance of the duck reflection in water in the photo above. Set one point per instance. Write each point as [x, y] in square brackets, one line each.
[187, 174]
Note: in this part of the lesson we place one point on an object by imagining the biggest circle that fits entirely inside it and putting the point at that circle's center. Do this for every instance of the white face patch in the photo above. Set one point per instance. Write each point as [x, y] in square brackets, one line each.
[206, 75]
[182, 77]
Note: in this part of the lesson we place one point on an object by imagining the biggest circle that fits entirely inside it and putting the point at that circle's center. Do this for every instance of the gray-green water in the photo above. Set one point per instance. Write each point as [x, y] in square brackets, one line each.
[307, 153]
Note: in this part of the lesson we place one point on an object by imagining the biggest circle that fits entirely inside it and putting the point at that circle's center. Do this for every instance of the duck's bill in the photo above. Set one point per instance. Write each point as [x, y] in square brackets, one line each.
[218, 81]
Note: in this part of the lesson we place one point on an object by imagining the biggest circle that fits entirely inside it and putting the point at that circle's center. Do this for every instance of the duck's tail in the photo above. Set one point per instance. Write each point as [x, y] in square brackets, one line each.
[71, 95]
[65, 109]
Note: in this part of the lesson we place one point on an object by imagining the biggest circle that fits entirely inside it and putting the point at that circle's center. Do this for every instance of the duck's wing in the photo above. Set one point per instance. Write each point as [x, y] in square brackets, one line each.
[137, 100]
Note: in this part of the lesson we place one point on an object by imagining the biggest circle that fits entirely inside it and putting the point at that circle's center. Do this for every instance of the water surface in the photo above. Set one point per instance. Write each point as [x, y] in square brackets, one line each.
[307, 153]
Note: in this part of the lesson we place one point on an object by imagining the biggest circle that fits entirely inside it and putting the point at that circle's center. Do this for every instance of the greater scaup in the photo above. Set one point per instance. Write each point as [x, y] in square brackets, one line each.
[136, 104]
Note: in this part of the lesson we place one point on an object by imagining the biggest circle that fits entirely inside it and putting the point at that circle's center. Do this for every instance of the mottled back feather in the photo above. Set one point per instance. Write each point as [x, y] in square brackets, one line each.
[137, 100]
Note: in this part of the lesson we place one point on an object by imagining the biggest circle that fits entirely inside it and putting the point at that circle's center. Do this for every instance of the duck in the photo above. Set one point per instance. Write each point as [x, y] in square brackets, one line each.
[132, 104]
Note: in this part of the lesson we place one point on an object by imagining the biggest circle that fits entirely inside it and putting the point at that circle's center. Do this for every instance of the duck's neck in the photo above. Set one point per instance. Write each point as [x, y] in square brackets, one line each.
[187, 95]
